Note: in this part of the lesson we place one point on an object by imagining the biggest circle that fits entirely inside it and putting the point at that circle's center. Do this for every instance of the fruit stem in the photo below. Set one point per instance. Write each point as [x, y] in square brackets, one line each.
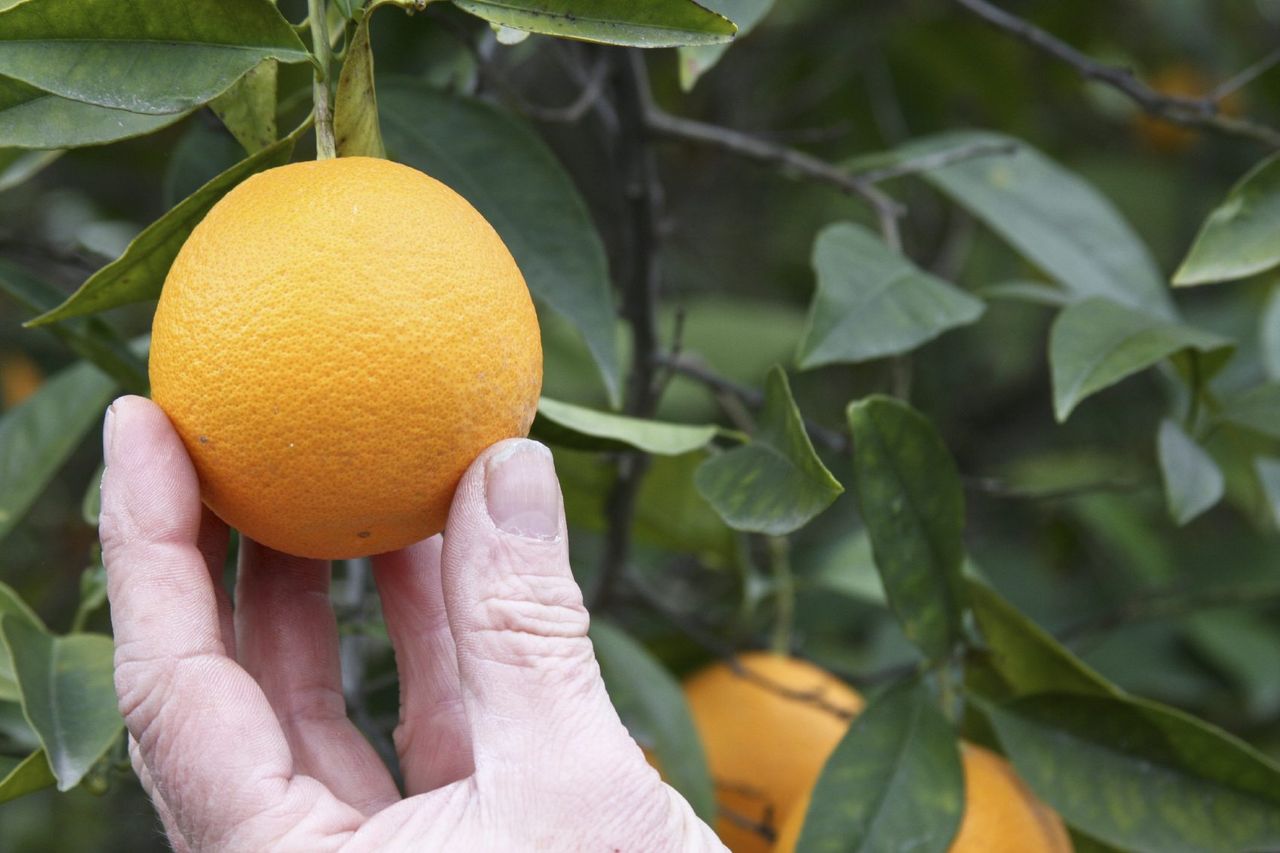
[316, 13]
[784, 590]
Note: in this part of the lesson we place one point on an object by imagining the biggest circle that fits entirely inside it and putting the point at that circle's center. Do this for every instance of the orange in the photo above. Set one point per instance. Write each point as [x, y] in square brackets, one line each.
[1001, 813]
[766, 743]
[20, 377]
[335, 343]
[1183, 80]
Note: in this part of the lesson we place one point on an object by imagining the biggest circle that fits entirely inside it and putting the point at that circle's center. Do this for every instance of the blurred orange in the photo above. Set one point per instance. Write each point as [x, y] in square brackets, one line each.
[20, 377]
[1184, 80]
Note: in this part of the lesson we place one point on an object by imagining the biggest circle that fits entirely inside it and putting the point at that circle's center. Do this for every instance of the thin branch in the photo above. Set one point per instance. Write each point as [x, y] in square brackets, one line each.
[1243, 78]
[938, 160]
[592, 91]
[1203, 112]
[325, 149]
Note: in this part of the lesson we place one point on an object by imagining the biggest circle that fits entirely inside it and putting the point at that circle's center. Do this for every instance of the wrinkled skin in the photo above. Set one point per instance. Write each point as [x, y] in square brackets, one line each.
[238, 729]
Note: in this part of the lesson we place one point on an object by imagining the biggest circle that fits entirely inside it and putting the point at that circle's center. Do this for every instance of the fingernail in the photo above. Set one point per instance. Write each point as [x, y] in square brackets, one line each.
[521, 491]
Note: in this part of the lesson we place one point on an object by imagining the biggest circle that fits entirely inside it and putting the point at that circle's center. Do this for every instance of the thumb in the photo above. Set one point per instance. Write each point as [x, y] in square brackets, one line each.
[529, 679]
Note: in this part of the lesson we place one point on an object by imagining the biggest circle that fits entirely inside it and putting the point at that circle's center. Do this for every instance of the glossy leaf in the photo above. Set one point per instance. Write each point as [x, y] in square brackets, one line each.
[580, 428]
[139, 273]
[745, 14]
[653, 23]
[1141, 776]
[912, 504]
[651, 703]
[26, 776]
[776, 483]
[248, 108]
[356, 130]
[1095, 343]
[145, 56]
[503, 168]
[68, 695]
[894, 782]
[1054, 218]
[1192, 480]
[17, 165]
[1240, 236]
[1257, 409]
[12, 605]
[38, 436]
[872, 302]
[33, 118]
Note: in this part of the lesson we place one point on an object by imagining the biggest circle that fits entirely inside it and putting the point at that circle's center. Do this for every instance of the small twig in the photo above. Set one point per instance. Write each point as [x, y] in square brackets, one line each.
[938, 159]
[316, 10]
[592, 90]
[1243, 78]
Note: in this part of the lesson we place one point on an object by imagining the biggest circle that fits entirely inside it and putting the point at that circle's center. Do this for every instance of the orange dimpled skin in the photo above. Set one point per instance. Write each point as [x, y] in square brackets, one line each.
[336, 342]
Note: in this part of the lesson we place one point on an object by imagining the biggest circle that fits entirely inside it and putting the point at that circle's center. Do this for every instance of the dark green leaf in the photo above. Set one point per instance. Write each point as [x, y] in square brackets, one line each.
[1268, 471]
[894, 782]
[33, 118]
[501, 166]
[653, 23]
[650, 702]
[145, 56]
[37, 437]
[17, 165]
[1141, 776]
[913, 506]
[203, 152]
[67, 695]
[1054, 218]
[93, 595]
[776, 483]
[1035, 292]
[355, 110]
[745, 14]
[872, 302]
[19, 778]
[1245, 648]
[248, 108]
[139, 273]
[1240, 237]
[1192, 480]
[1096, 343]
[1269, 336]
[12, 604]
[580, 428]
[1257, 409]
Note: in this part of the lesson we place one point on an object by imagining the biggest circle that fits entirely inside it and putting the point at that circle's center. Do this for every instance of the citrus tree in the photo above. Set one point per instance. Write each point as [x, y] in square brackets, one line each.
[874, 389]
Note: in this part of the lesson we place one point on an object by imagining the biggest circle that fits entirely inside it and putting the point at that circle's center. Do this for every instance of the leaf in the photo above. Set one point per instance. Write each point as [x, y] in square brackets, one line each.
[1053, 217]
[1257, 409]
[248, 108]
[24, 777]
[38, 436]
[1268, 472]
[1269, 336]
[1035, 292]
[68, 695]
[696, 61]
[203, 152]
[1244, 647]
[33, 118]
[146, 56]
[12, 604]
[912, 504]
[90, 338]
[872, 302]
[503, 168]
[355, 111]
[1139, 775]
[894, 782]
[653, 706]
[1240, 236]
[17, 166]
[1095, 343]
[580, 428]
[653, 23]
[1192, 480]
[776, 483]
[91, 503]
[139, 273]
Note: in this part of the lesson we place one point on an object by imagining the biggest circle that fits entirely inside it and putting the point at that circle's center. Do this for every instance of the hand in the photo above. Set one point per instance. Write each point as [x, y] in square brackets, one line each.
[237, 723]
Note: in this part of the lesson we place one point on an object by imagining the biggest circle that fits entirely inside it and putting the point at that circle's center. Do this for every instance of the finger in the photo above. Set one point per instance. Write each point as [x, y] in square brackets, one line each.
[527, 671]
[288, 641]
[212, 543]
[432, 738]
[171, 830]
[205, 730]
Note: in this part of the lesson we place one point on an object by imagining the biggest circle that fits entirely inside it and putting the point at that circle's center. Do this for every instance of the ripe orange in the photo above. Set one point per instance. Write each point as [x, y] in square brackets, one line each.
[20, 377]
[1001, 813]
[335, 343]
[766, 744]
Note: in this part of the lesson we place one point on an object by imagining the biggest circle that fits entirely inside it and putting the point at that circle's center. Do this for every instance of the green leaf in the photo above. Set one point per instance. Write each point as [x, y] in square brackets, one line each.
[90, 338]
[653, 706]
[872, 302]
[503, 168]
[1035, 292]
[1268, 473]
[1269, 336]
[696, 61]
[91, 503]
[203, 152]
[33, 118]
[355, 111]
[67, 695]
[653, 23]
[776, 483]
[1257, 409]
[12, 604]
[1192, 480]
[912, 504]
[1053, 217]
[248, 108]
[894, 782]
[1141, 776]
[93, 595]
[19, 778]
[145, 56]
[576, 427]
[1095, 343]
[1241, 237]
[139, 273]
[1245, 647]
[38, 436]
[17, 165]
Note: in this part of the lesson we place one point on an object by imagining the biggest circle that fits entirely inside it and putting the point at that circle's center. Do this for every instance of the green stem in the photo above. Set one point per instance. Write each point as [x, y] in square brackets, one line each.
[784, 591]
[325, 148]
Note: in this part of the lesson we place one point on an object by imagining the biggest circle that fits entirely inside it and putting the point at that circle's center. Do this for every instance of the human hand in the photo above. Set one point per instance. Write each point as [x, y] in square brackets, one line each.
[237, 723]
